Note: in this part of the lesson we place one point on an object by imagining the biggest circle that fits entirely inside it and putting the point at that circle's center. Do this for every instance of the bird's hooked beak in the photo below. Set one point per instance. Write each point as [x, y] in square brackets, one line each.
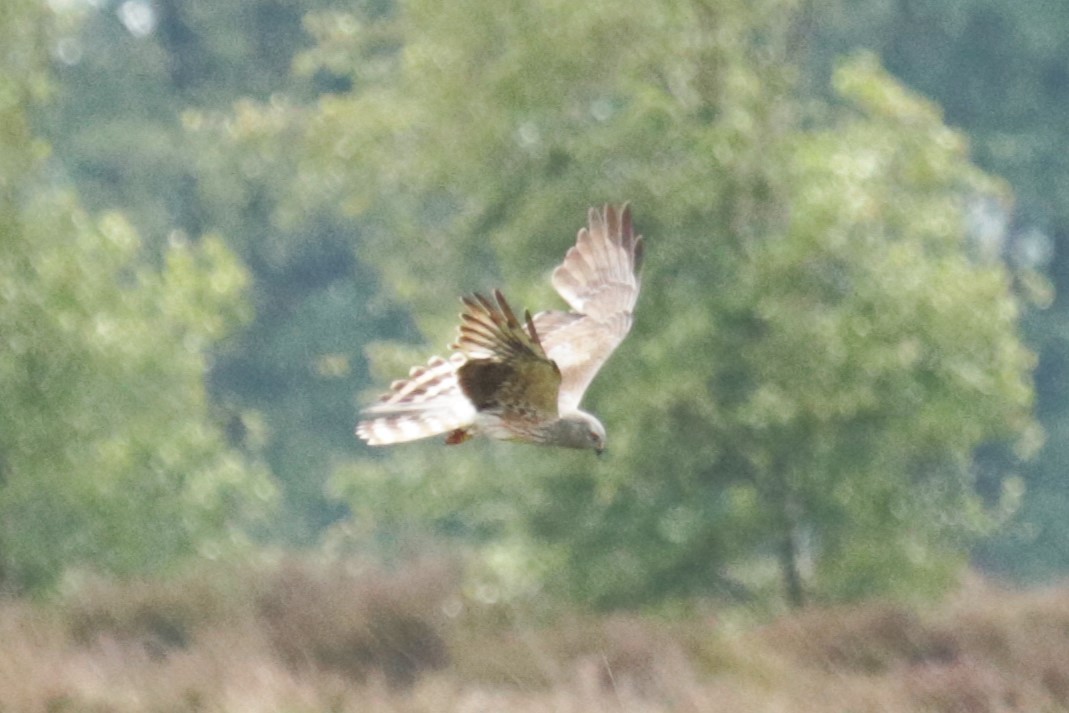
[600, 452]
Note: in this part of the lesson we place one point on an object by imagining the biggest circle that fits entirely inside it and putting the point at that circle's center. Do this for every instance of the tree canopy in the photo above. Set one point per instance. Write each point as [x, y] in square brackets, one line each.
[109, 455]
[283, 197]
[1000, 71]
[818, 347]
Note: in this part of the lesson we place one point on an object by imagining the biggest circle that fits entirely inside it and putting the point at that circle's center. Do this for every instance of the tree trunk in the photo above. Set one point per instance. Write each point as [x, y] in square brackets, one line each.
[789, 515]
[788, 560]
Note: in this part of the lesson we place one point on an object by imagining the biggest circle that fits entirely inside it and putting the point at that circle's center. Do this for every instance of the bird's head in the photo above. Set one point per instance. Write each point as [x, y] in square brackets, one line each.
[580, 430]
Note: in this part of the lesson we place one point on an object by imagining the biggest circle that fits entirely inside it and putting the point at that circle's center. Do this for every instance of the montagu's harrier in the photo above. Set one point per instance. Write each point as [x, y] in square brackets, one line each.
[523, 380]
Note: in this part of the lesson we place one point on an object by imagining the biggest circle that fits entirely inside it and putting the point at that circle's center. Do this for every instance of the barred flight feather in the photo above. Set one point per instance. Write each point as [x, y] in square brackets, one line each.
[425, 404]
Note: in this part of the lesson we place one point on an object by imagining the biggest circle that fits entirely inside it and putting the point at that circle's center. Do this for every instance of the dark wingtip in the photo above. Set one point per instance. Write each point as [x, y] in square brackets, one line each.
[612, 221]
[531, 327]
[506, 309]
[485, 302]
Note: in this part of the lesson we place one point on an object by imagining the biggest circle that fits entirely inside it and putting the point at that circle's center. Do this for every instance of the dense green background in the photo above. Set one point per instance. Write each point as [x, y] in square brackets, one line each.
[225, 225]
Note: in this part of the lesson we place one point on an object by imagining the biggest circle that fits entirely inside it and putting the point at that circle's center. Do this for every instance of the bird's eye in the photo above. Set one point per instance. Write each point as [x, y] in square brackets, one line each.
[593, 437]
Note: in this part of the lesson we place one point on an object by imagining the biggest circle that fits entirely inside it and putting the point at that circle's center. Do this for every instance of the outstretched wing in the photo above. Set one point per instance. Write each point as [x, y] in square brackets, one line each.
[427, 403]
[507, 370]
[599, 279]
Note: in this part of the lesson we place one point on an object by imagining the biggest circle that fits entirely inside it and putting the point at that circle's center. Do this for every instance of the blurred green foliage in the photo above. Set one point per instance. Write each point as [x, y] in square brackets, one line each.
[825, 337]
[146, 121]
[817, 350]
[108, 453]
[1001, 71]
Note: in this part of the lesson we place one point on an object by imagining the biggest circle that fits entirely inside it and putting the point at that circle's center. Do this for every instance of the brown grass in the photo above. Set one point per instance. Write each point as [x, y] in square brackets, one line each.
[357, 622]
[303, 636]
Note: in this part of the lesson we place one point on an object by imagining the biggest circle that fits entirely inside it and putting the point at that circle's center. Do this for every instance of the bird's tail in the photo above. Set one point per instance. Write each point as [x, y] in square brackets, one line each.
[425, 404]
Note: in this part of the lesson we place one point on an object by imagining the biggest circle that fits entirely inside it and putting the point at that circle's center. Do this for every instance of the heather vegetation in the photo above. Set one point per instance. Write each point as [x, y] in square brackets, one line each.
[839, 415]
[349, 636]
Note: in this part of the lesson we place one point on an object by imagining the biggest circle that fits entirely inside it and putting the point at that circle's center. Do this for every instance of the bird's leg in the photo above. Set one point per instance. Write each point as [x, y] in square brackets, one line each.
[457, 437]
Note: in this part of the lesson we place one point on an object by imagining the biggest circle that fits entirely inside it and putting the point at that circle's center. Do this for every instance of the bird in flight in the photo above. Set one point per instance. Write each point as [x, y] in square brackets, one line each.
[523, 380]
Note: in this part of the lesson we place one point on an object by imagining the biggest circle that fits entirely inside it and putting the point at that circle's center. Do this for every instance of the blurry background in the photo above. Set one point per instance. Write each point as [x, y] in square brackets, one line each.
[225, 226]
